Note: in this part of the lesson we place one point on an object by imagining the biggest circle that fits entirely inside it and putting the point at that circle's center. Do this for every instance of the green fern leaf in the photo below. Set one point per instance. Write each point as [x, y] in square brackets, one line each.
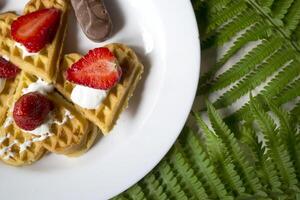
[202, 165]
[289, 93]
[265, 168]
[265, 3]
[275, 147]
[288, 133]
[227, 32]
[254, 33]
[245, 65]
[255, 78]
[134, 193]
[169, 181]
[222, 160]
[296, 112]
[274, 88]
[186, 175]
[154, 189]
[280, 8]
[226, 14]
[245, 168]
[287, 75]
[292, 18]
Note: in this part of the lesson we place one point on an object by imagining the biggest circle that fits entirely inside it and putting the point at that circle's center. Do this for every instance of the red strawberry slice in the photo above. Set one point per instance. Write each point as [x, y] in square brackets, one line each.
[31, 110]
[7, 69]
[99, 69]
[36, 29]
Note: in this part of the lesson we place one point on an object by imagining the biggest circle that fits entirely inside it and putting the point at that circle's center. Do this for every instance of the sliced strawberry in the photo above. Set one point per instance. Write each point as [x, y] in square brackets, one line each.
[7, 69]
[36, 29]
[99, 69]
[31, 110]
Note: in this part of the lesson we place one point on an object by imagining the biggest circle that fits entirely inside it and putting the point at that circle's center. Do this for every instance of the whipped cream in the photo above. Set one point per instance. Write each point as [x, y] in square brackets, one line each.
[67, 116]
[39, 86]
[88, 98]
[25, 53]
[25, 145]
[9, 120]
[44, 129]
[5, 57]
[7, 151]
[2, 84]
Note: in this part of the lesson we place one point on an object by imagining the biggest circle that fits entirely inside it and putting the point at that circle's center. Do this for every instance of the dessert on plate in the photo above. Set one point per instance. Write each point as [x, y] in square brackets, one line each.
[34, 41]
[53, 103]
[101, 106]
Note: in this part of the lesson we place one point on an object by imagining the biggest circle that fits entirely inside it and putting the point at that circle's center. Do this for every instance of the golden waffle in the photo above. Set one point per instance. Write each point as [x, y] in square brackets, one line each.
[5, 96]
[44, 64]
[107, 114]
[17, 148]
[68, 137]
[89, 142]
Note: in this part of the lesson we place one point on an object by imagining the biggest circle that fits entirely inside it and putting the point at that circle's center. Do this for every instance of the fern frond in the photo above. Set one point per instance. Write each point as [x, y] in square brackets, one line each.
[202, 165]
[169, 181]
[231, 29]
[224, 15]
[274, 88]
[289, 93]
[287, 75]
[254, 33]
[246, 64]
[265, 169]
[219, 154]
[134, 193]
[217, 5]
[280, 8]
[296, 112]
[186, 175]
[292, 18]
[154, 189]
[265, 3]
[275, 147]
[243, 166]
[255, 78]
[288, 133]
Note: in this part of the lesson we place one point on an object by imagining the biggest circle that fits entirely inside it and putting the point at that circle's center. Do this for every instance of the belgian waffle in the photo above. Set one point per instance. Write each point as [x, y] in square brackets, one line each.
[71, 128]
[45, 63]
[106, 115]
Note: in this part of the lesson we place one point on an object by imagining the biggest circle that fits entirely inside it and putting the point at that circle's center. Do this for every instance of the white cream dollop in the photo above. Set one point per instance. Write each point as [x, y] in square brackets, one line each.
[25, 53]
[88, 98]
[9, 120]
[2, 84]
[39, 86]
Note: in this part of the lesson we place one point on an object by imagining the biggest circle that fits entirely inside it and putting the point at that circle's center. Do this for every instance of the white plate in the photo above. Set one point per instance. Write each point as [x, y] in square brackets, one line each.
[165, 35]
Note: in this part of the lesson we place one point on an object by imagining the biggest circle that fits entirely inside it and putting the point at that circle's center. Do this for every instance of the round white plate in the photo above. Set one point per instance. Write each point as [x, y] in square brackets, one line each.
[164, 34]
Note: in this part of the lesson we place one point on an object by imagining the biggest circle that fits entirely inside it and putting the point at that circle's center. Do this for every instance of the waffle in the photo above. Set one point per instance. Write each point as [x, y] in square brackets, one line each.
[17, 148]
[45, 63]
[6, 95]
[89, 142]
[68, 137]
[107, 114]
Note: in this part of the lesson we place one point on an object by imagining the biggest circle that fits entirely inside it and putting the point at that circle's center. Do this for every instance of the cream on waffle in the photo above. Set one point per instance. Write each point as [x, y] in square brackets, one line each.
[68, 129]
[106, 115]
[45, 63]
[18, 148]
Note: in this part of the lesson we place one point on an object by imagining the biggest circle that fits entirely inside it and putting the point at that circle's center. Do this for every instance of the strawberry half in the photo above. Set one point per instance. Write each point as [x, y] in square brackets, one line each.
[31, 110]
[36, 29]
[7, 69]
[99, 69]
